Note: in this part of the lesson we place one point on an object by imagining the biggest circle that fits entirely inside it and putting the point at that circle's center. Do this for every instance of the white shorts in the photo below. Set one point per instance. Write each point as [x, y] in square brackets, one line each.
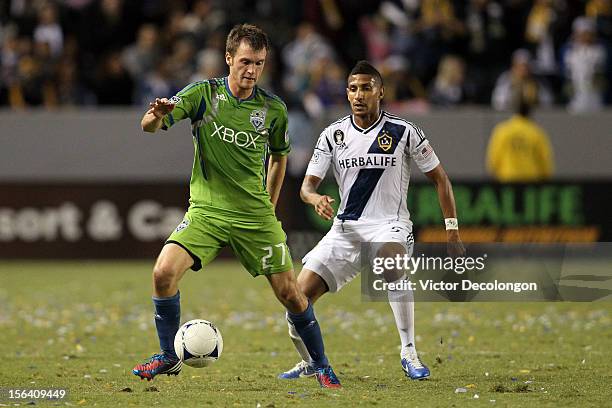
[336, 258]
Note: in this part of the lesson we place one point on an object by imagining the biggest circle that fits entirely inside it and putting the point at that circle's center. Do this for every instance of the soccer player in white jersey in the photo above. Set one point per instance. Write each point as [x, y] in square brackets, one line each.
[369, 152]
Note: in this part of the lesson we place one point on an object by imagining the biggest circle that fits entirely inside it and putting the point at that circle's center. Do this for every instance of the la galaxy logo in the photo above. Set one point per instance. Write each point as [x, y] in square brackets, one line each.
[385, 141]
[258, 119]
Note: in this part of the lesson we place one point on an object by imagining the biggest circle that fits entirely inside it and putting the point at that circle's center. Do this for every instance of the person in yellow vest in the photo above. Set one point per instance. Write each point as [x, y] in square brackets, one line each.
[519, 150]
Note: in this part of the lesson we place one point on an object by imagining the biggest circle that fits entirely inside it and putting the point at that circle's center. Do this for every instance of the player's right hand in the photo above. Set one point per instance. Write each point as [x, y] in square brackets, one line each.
[161, 107]
[323, 207]
[454, 245]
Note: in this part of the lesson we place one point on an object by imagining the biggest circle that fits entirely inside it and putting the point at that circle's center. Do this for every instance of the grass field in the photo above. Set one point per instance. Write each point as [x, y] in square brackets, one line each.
[83, 325]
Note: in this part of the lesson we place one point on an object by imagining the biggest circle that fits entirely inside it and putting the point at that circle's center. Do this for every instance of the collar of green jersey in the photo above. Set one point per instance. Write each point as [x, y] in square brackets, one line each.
[229, 92]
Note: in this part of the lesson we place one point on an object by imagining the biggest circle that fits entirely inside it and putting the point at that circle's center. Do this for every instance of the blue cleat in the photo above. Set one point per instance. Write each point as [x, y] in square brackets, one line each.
[413, 367]
[327, 378]
[301, 370]
[158, 364]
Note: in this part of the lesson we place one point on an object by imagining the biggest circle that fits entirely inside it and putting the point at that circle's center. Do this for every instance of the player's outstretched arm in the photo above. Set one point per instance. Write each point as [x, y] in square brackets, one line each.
[153, 118]
[447, 203]
[276, 174]
[321, 203]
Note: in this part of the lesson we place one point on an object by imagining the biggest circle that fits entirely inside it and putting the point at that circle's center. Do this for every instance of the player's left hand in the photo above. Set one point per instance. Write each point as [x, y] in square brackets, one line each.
[454, 246]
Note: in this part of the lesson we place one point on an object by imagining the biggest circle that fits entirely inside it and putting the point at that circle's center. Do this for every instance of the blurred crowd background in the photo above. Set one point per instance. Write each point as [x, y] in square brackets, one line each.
[439, 53]
[468, 71]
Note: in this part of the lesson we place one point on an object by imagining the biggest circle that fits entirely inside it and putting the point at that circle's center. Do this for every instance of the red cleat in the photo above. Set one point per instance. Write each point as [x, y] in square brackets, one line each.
[158, 364]
[327, 378]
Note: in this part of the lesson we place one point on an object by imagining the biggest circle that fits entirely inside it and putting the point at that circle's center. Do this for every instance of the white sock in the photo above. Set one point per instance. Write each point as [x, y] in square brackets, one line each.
[402, 305]
[298, 343]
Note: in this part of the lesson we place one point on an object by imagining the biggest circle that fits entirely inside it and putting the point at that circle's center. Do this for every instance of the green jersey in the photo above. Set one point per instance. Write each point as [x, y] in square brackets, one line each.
[231, 138]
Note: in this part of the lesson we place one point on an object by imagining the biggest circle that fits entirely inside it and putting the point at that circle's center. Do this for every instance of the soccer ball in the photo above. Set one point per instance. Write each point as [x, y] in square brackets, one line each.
[198, 343]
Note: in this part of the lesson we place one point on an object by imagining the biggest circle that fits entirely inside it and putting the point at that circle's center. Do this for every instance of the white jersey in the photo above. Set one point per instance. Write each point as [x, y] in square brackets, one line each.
[372, 166]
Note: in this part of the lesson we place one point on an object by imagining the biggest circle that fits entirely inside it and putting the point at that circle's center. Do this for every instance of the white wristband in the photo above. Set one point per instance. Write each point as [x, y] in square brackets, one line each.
[451, 224]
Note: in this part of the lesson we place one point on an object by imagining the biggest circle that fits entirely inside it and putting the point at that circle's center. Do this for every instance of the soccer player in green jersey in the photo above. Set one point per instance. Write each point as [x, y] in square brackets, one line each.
[235, 125]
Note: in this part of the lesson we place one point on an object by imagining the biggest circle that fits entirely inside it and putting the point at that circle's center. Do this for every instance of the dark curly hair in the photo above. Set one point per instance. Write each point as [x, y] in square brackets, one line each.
[364, 67]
